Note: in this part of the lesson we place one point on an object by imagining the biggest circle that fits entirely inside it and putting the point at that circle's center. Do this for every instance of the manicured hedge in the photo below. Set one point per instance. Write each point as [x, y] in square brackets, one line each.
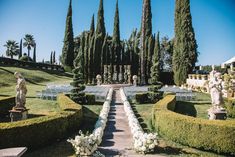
[213, 135]
[18, 63]
[6, 104]
[231, 108]
[41, 131]
[148, 97]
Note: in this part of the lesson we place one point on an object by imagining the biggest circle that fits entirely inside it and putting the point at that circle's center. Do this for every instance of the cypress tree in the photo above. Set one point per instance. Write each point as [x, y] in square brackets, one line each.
[92, 27]
[99, 38]
[185, 46]
[150, 50]
[54, 60]
[34, 53]
[51, 57]
[116, 39]
[100, 28]
[155, 69]
[20, 52]
[77, 93]
[146, 32]
[68, 48]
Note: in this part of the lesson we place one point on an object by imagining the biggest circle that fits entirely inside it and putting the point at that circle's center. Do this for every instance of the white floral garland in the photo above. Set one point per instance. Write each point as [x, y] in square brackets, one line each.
[87, 145]
[143, 142]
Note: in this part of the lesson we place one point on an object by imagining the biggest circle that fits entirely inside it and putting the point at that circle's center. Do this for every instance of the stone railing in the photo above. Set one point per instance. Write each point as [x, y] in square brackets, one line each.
[198, 82]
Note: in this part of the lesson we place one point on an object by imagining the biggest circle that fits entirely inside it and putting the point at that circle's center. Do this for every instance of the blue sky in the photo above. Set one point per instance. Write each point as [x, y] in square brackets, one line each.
[213, 21]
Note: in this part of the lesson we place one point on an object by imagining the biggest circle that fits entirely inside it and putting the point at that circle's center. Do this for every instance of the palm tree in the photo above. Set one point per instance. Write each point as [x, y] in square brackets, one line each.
[29, 42]
[12, 48]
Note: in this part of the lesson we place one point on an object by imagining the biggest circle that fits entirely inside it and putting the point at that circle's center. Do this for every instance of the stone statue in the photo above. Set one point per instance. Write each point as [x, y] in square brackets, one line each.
[99, 80]
[135, 80]
[215, 86]
[21, 91]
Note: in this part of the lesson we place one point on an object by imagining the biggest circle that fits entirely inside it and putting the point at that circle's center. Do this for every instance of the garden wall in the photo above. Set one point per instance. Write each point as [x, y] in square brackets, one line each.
[36, 132]
[213, 135]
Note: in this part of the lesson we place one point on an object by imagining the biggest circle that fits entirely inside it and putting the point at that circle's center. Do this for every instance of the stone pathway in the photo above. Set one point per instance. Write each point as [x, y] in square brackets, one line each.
[117, 138]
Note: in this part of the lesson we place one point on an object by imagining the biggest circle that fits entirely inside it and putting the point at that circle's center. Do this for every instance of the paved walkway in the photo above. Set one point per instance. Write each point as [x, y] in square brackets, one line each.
[117, 138]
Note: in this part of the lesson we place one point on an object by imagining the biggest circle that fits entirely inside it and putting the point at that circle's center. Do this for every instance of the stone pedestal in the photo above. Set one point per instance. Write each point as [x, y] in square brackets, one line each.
[17, 114]
[217, 113]
[135, 80]
[99, 80]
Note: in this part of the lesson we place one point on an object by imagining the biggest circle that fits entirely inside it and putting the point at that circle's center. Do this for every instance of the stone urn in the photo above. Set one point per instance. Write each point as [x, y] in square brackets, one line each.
[99, 81]
[135, 80]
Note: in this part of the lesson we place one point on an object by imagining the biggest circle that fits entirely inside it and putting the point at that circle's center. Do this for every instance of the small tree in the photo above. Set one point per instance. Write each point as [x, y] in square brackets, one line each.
[34, 54]
[20, 52]
[77, 94]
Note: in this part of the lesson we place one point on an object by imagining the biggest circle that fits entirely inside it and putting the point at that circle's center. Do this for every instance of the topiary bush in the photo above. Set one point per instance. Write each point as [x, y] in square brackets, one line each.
[41, 131]
[213, 135]
[148, 97]
[141, 98]
[6, 104]
[26, 58]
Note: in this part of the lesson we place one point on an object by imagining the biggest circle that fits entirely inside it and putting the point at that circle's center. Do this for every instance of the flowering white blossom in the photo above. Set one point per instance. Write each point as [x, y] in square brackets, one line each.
[143, 142]
[87, 145]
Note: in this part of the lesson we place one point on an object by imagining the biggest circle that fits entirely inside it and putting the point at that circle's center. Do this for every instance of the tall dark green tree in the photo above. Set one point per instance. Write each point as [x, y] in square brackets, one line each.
[91, 66]
[54, 60]
[146, 32]
[185, 46]
[116, 44]
[34, 53]
[21, 49]
[92, 27]
[51, 58]
[100, 27]
[68, 48]
[99, 39]
[155, 69]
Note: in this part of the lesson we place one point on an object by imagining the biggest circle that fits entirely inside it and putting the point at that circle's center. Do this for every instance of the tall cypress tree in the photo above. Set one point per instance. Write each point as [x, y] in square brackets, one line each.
[116, 40]
[185, 46]
[146, 32]
[155, 69]
[68, 48]
[54, 60]
[92, 27]
[100, 27]
[99, 39]
[20, 53]
[34, 53]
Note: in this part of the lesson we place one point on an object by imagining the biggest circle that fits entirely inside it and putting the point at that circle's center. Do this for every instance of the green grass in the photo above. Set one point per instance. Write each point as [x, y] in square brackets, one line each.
[36, 81]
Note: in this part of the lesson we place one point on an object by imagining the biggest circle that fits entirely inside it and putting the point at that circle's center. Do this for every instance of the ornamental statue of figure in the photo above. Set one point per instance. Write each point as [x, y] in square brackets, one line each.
[21, 91]
[215, 86]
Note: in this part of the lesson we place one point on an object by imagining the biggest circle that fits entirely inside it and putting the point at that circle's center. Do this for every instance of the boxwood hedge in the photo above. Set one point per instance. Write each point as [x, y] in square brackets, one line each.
[6, 104]
[213, 135]
[43, 130]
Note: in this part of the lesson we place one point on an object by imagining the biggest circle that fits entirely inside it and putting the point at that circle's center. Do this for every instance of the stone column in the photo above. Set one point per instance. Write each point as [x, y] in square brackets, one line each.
[120, 75]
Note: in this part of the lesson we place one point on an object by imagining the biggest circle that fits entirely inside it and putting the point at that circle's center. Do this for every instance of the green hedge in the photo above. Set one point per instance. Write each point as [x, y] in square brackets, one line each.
[148, 97]
[213, 135]
[41, 131]
[6, 104]
[89, 98]
[231, 108]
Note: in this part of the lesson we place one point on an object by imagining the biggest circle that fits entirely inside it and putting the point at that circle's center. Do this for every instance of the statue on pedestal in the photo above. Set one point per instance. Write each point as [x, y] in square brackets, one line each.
[21, 91]
[99, 80]
[135, 80]
[215, 86]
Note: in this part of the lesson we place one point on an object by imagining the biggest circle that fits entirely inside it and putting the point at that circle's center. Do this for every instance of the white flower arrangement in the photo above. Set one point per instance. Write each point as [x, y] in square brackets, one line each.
[86, 145]
[143, 142]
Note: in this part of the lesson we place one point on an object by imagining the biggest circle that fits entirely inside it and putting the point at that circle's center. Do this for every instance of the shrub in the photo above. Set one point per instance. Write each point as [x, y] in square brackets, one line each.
[155, 88]
[230, 107]
[141, 98]
[148, 97]
[214, 135]
[26, 58]
[6, 104]
[40, 131]
[90, 98]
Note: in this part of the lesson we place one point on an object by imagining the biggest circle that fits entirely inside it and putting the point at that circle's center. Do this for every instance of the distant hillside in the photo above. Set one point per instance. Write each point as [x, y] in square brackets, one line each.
[32, 76]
